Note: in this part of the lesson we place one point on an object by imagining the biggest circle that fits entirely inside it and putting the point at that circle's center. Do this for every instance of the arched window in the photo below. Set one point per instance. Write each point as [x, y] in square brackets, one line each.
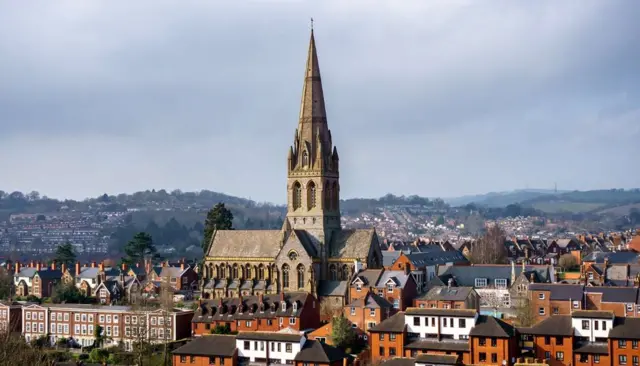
[221, 272]
[333, 272]
[300, 276]
[260, 272]
[305, 158]
[335, 197]
[327, 195]
[285, 276]
[234, 271]
[297, 195]
[247, 272]
[345, 272]
[311, 195]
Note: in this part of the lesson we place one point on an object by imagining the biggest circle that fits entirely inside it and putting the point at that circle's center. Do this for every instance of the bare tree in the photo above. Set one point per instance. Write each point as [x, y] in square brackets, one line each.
[524, 312]
[329, 308]
[489, 248]
[567, 261]
[492, 300]
[139, 328]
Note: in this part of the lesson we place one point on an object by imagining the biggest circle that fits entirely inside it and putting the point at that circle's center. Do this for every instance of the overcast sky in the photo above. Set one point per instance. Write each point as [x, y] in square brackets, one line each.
[436, 98]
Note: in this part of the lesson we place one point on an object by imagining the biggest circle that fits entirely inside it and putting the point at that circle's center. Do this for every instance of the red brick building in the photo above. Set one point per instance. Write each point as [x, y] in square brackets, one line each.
[10, 317]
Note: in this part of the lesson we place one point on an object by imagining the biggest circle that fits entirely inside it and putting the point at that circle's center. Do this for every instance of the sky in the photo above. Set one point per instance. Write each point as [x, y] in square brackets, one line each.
[435, 98]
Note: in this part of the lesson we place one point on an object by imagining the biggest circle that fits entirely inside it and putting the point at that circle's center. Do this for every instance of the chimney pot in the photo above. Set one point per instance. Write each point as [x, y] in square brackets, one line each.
[77, 268]
[124, 266]
[53, 265]
[17, 267]
[93, 264]
[101, 266]
[38, 266]
[63, 267]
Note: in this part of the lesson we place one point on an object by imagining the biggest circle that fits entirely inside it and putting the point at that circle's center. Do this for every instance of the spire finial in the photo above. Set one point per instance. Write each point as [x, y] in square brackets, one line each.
[312, 24]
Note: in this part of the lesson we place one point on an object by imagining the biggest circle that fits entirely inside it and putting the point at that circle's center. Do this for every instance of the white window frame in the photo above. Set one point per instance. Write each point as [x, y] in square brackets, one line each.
[541, 296]
[500, 282]
[480, 282]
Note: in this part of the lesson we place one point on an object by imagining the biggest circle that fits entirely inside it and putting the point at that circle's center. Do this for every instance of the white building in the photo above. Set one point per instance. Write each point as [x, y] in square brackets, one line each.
[269, 347]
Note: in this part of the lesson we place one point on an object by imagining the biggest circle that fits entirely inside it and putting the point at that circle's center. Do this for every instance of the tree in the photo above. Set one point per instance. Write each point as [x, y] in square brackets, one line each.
[6, 284]
[489, 248]
[99, 355]
[65, 254]
[68, 293]
[342, 334]
[98, 337]
[139, 248]
[567, 262]
[221, 329]
[440, 220]
[218, 218]
[329, 309]
[524, 312]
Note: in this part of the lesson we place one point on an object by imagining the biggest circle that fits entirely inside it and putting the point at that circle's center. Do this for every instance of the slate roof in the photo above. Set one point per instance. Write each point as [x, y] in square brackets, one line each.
[555, 325]
[398, 362]
[445, 293]
[370, 301]
[48, 273]
[627, 295]
[26, 272]
[625, 328]
[559, 291]
[612, 257]
[88, 272]
[229, 308]
[245, 243]
[467, 313]
[598, 348]
[399, 278]
[466, 275]
[270, 336]
[209, 345]
[595, 314]
[426, 255]
[318, 352]
[332, 288]
[368, 276]
[352, 243]
[439, 345]
[488, 326]
[437, 359]
[393, 324]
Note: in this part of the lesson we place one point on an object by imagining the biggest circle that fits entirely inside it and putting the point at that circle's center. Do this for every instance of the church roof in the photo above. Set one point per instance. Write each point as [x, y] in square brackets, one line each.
[352, 243]
[245, 243]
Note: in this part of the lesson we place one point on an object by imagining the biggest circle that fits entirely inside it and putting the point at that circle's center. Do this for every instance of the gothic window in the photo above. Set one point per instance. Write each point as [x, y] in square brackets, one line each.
[311, 195]
[345, 272]
[260, 272]
[327, 196]
[335, 196]
[234, 271]
[247, 272]
[305, 158]
[285, 276]
[300, 276]
[333, 272]
[297, 195]
[293, 255]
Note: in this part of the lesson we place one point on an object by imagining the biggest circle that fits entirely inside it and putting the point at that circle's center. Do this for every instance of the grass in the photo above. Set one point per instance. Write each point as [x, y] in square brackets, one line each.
[575, 207]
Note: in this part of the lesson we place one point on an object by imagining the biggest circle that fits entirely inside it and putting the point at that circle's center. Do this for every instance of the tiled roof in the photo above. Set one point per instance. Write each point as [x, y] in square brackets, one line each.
[559, 291]
[615, 294]
[209, 345]
[439, 345]
[556, 325]
[246, 243]
[318, 352]
[270, 336]
[352, 243]
[488, 326]
[467, 313]
[625, 328]
[332, 288]
[445, 293]
[394, 324]
[595, 314]
[399, 361]
[437, 359]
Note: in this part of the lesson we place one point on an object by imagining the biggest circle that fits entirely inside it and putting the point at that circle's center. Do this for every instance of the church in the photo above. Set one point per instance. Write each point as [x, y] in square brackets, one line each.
[312, 250]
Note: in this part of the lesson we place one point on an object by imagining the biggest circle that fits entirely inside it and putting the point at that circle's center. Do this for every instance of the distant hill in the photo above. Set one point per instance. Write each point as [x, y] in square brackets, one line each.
[605, 201]
[500, 199]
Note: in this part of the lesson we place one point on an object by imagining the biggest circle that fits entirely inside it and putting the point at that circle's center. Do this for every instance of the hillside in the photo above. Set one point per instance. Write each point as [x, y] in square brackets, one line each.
[499, 199]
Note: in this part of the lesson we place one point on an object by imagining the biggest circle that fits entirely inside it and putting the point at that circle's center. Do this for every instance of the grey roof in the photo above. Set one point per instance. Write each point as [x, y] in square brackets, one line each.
[230, 308]
[612, 257]
[389, 257]
[88, 272]
[270, 336]
[27, 272]
[439, 344]
[399, 278]
[424, 255]
[209, 345]
[371, 301]
[318, 352]
[393, 324]
[466, 313]
[615, 294]
[559, 291]
[614, 272]
[437, 359]
[332, 288]
[399, 361]
[246, 243]
[598, 348]
[368, 276]
[593, 314]
[555, 325]
[625, 328]
[488, 326]
[445, 293]
[466, 275]
[353, 243]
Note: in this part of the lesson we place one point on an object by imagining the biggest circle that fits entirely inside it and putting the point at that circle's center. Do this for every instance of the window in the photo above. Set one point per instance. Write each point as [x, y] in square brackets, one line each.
[311, 195]
[596, 358]
[494, 358]
[541, 295]
[381, 336]
[591, 275]
[560, 356]
[297, 195]
[292, 321]
[53, 316]
[161, 321]
[53, 327]
[634, 344]
[629, 307]
[481, 282]
[90, 318]
[392, 351]
[115, 331]
[635, 360]
[585, 324]
[372, 312]
[153, 320]
[183, 359]
[358, 287]
[300, 278]
[547, 340]
[444, 322]
[622, 343]
[494, 342]
[76, 330]
[288, 348]
[540, 311]
[584, 358]
[390, 287]
[501, 282]
[482, 341]
[126, 319]
[604, 325]
[547, 355]
[285, 276]
[392, 336]
[28, 315]
[462, 323]
[556, 311]
[576, 304]
[247, 323]
[396, 304]
[482, 357]
[381, 351]
[595, 325]
[446, 306]
[622, 360]
[101, 319]
[559, 341]
[41, 316]
[433, 322]
[66, 317]
[416, 320]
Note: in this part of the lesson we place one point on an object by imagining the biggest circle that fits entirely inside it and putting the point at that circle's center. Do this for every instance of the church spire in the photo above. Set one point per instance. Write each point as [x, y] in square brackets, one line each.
[312, 105]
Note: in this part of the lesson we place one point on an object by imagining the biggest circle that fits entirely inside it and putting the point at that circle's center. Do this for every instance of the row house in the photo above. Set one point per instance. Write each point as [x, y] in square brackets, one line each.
[609, 274]
[399, 288]
[78, 322]
[295, 310]
[107, 284]
[422, 264]
[364, 313]
[181, 277]
[449, 297]
[259, 348]
[562, 299]
[622, 257]
[470, 337]
[584, 338]
[35, 279]
[499, 286]
[10, 317]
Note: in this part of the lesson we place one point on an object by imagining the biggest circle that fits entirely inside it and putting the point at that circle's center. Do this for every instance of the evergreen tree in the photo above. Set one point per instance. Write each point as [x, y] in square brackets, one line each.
[342, 334]
[218, 218]
[139, 248]
[65, 254]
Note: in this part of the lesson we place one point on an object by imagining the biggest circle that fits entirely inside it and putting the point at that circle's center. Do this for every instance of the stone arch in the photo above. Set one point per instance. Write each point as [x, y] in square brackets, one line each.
[285, 276]
[333, 272]
[234, 271]
[297, 195]
[260, 272]
[311, 195]
[300, 270]
[345, 272]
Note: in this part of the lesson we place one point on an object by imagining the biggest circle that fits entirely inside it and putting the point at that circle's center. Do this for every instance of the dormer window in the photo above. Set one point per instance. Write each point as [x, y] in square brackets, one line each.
[295, 306]
[591, 275]
[501, 282]
[481, 282]
[390, 287]
[284, 306]
[358, 287]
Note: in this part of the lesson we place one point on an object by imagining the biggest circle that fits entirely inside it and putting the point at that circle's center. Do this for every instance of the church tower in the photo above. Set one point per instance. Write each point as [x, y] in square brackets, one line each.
[313, 189]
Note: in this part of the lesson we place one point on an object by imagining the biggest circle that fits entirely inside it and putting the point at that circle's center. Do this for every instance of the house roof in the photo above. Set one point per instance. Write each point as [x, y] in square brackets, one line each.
[612, 257]
[615, 294]
[209, 345]
[230, 309]
[466, 275]
[318, 352]
[555, 325]
[270, 336]
[437, 359]
[625, 328]
[559, 291]
[332, 288]
[399, 361]
[399, 279]
[369, 277]
[393, 324]
[465, 313]
[488, 326]
[445, 293]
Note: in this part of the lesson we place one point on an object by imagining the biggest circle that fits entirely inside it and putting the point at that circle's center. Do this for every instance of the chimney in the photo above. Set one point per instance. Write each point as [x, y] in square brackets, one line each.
[532, 278]
[38, 266]
[122, 279]
[281, 297]
[260, 302]
[124, 267]
[77, 267]
[182, 265]
[53, 265]
[32, 264]
[17, 267]
[63, 267]
[101, 266]
[93, 264]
